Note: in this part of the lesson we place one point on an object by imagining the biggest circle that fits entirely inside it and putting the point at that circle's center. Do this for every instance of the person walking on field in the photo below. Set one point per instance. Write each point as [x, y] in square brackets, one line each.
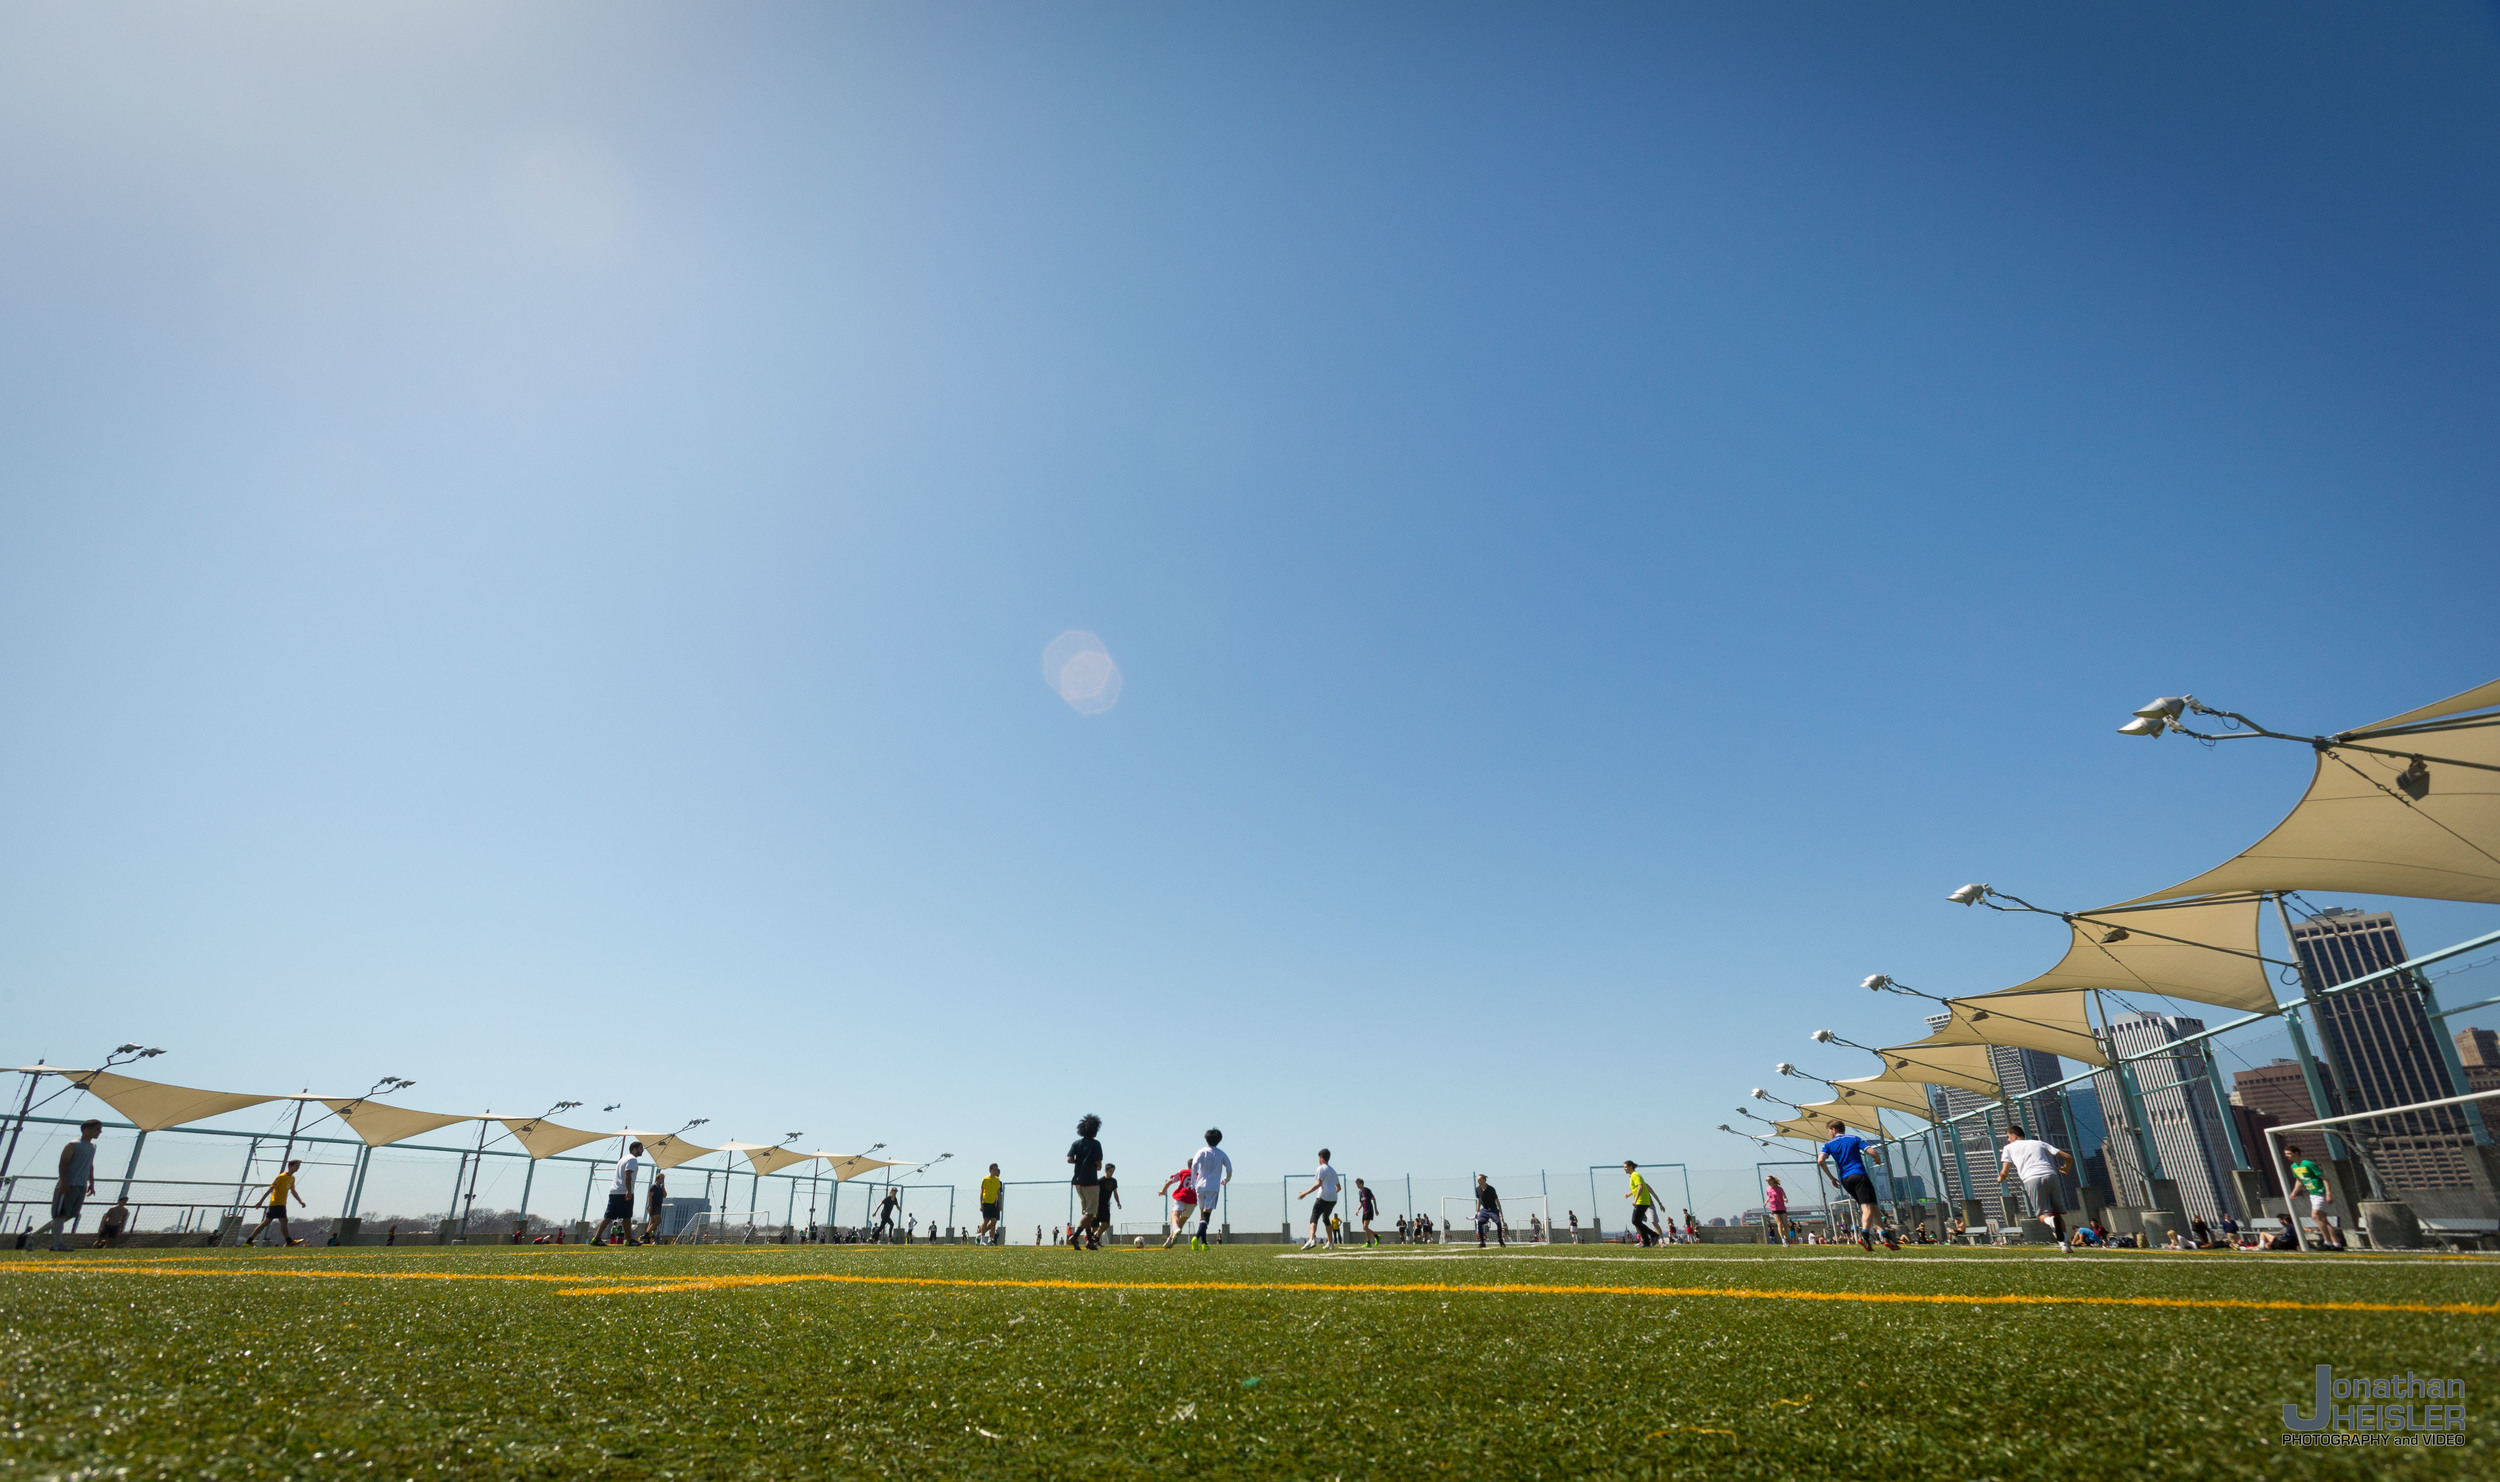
[281, 1189]
[1325, 1184]
[1845, 1155]
[1209, 1172]
[886, 1212]
[2027, 1158]
[75, 1183]
[1489, 1212]
[1367, 1209]
[1109, 1200]
[653, 1204]
[1085, 1155]
[1644, 1204]
[993, 1205]
[621, 1198]
[1775, 1205]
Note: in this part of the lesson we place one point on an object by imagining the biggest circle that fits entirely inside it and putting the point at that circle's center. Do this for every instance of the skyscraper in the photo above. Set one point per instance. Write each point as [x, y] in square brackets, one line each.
[2478, 1050]
[2180, 1112]
[2380, 1038]
[2276, 1090]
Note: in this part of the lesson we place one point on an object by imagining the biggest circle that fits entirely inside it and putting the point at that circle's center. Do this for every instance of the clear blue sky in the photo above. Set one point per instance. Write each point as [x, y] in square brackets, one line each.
[527, 536]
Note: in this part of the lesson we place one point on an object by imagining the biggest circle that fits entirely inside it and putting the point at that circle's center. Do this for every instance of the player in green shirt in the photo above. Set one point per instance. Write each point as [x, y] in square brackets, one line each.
[2313, 1183]
[1644, 1204]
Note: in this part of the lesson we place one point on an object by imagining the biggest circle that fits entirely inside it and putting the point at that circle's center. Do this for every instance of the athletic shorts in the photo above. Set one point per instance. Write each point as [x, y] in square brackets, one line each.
[620, 1207]
[277, 1211]
[2318, 1203]
[1321, 1210]
[1486, 1216]
[1088, 1200]
[990, 1211]
[1860, 1187]
[651, 1206]
[66, 1206]
[1207, 1195]
[2043, 1192]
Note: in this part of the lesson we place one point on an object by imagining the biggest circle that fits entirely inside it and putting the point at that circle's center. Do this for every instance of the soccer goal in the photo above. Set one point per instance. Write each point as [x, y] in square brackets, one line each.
[1525, 1220]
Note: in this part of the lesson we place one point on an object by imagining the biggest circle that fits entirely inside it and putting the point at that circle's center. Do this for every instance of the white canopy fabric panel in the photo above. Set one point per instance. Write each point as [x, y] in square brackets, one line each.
[153, 1106]
[381, 1125]
[847, 1166]
[764, 1158]
[664, 1149]
[2200, 951]
[2370, 825]
[2057, 1021]
[1855, 1118]
[1964, 1067]
[1891, 1095]
[1802, 1130]
[544, 1139]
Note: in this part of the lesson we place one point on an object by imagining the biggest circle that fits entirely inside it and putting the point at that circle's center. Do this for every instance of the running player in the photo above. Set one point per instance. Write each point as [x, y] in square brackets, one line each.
[1209, 1172]
[2313, 1183]
[1184, 1204]
[1110, 1201]
[886, 1213]
[1775, 1205]
[2027, 1158]
[1489, 1212]
[993, 1205]
[1085, 1154]
[1324, 1183]
[1846, 1156]
[1367, 1209]
[620, 1197]
[1644, 1204]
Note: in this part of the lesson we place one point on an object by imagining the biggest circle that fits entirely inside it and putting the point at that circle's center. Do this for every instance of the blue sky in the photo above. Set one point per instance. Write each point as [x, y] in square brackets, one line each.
[527, 538]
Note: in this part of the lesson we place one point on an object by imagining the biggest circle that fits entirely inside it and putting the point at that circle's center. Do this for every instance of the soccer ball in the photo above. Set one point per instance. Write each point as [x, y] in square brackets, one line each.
[1141, 1240]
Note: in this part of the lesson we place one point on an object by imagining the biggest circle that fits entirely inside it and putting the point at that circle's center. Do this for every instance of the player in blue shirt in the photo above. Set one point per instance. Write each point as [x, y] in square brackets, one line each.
[1845, 1154]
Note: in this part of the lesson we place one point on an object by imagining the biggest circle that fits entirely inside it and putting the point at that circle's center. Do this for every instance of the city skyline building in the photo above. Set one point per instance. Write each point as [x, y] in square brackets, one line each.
[2478, 1050]
[2180, 1112]
[2386, 1046]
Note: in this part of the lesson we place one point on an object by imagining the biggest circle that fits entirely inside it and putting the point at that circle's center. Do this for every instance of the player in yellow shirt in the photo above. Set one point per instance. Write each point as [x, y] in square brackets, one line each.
[1644, 1204]
[993, 1204]
[281, 1189]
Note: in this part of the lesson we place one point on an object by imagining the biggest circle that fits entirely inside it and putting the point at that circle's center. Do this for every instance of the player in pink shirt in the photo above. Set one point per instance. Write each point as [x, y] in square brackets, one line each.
[1775, 1204]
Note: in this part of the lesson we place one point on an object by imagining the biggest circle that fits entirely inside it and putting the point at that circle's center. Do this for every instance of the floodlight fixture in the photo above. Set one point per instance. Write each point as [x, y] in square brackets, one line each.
[1822, 1036]
[1970, 895]
[129, 1049]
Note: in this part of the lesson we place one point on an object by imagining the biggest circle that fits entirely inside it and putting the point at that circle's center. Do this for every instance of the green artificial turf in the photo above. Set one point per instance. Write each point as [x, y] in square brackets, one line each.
[246, 1371]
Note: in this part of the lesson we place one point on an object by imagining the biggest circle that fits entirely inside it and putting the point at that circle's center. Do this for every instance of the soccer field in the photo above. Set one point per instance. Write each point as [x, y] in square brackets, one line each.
[718, 1362]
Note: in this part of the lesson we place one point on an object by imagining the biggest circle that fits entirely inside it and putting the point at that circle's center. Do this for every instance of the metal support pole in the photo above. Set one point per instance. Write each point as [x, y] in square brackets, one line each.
[133, 1167]
[527, 1179]
[24, 1107]
[2222, 1105]
[2456, 1068]
[469, 1204]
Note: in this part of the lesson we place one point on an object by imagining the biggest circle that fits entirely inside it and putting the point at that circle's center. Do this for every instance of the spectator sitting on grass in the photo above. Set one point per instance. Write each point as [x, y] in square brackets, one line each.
[116, 1220]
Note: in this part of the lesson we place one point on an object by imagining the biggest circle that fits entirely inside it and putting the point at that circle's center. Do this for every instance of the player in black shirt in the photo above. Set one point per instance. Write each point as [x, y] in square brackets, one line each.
[1108, 1200]
[1489, 1212]
[1367, 1209]
[1086, 1154]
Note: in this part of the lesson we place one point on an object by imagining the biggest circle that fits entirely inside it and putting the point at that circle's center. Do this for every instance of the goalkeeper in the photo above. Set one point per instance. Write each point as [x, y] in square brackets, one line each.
[1489, 1212]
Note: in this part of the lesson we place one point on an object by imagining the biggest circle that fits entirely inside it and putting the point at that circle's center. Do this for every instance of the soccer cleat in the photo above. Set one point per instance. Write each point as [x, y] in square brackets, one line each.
[2065, 1249]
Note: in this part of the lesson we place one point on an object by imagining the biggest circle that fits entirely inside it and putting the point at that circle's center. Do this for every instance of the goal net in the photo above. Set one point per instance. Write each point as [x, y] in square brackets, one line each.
[1525, 1220]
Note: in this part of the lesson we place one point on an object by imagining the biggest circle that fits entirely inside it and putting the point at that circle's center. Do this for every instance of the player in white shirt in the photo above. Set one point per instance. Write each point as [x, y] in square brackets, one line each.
[1325, 1185]
[621, 1198]
[1209, 1172]
[2037, 1164]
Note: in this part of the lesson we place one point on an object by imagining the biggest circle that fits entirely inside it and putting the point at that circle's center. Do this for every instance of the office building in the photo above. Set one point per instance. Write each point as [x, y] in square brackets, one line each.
[2478, 1050]
[2276, 1091]
[2181, 1113]
[2380, 1040]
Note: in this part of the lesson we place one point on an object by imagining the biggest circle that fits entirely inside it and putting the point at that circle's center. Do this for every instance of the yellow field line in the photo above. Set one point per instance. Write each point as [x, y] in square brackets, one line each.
[629, 1285]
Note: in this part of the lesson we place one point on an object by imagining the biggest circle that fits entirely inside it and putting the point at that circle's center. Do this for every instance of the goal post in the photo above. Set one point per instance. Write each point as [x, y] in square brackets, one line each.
[1525, 1219]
